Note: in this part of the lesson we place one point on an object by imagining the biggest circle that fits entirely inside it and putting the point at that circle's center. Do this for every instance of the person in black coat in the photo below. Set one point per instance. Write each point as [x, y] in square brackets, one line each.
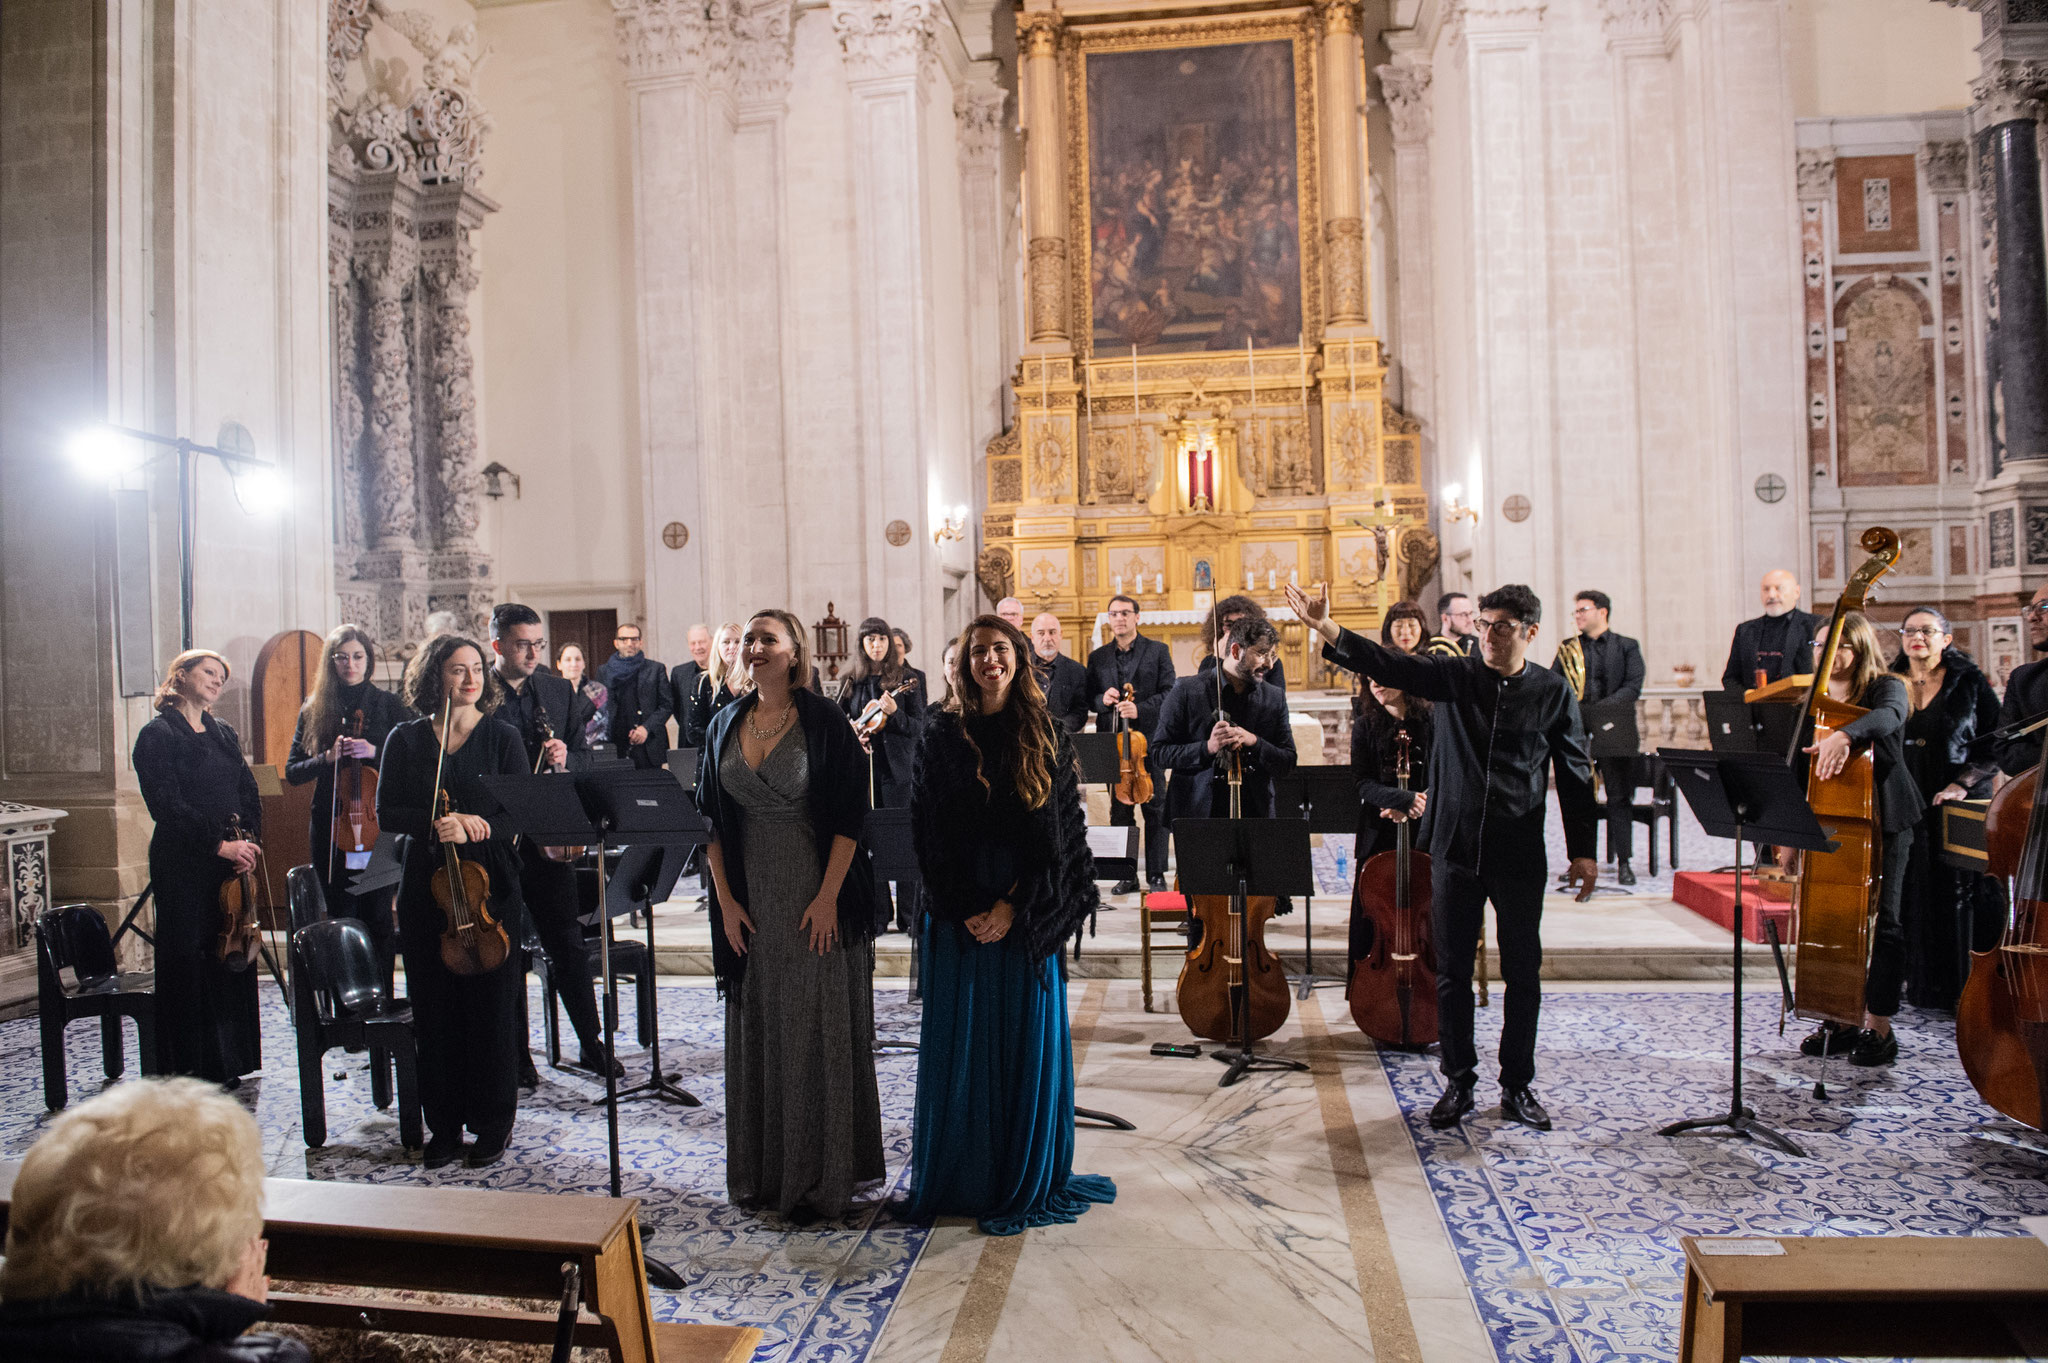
[548, 715]
[136, 1233]
[324, 737]
[1248, 718]
[2026, 696]
[1775, 643]
[877, 671]
[1223, 616]
[1503, 729]
[1145, 666]
[466, 1026]
[640, 700]
[684, 678]
[1614, 672]
[1384, 716]
[1944, 911]
[194, 779]
[1063, 681]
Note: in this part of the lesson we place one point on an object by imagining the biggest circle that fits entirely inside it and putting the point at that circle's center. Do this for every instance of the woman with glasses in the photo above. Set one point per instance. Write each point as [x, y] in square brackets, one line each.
[1856, 676]
[328, 735]
[1946, 913]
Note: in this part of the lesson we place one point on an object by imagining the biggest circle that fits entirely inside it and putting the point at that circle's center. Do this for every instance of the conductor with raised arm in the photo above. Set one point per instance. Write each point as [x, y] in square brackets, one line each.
[1501, 725]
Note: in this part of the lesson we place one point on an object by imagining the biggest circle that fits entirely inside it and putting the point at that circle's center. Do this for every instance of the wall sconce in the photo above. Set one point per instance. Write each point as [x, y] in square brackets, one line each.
[495, 474]
[1454, 505]
[951, 527]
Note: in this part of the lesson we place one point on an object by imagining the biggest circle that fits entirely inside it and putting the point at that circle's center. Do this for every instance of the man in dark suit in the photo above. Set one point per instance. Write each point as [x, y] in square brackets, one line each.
[1778, 643]
[1064, 681]
[2026, 694]
[1614, 672]
[640, 700]
[548, 714]
[1454, 637]
[1252, 721]
[1144, 665]
[683, 683]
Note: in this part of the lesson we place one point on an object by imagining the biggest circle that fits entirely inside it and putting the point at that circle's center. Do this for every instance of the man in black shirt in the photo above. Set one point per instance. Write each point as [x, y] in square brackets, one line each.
[1502, 727]
[640, 700]
[1253, 723]
[1454, 637]
[2026, 695]
[1146, 667]
[548, 886]
[1064, 681]
[1614, 672]
[1777, 643]
[1223, 616]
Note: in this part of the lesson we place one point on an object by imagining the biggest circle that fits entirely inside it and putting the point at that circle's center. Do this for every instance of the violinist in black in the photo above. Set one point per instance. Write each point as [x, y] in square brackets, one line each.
[322, 740]
[878, 669]
[1144, 665]
[1197, 728]
[467, 1026]
[1502, 728]
[548, 886]
[193, 778]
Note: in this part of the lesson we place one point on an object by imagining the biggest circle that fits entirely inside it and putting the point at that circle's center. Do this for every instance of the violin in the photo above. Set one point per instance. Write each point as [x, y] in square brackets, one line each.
[240, 933]
[355, 800]
[874, 714]
[2002, 1017]
[1230, 974]
[473, 942]
[1392, 990]
[1133, 777]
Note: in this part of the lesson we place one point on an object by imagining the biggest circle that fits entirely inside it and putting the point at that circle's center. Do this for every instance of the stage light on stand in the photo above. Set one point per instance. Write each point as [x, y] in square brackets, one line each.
[104, 454]
[260, 490]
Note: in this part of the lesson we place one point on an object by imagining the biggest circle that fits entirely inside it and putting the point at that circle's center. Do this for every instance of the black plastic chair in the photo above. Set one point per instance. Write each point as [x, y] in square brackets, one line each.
[341, 1002]
[75, 936]
[629, 958]
[304, 897]
[1650, 771]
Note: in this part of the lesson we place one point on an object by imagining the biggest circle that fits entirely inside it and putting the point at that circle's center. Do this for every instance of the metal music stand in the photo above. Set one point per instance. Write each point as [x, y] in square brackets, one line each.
[1743, 795]
[1610, 728]
[885, 835]
[1239, 858]
[1328, 798]
[646, 875]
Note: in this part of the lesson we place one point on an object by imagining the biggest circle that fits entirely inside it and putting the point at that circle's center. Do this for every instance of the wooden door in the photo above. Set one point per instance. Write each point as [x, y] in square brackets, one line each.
[590, 630]
[286, 669]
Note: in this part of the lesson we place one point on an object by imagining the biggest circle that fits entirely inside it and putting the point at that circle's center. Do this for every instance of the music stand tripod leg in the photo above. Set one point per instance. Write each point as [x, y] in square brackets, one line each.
[658, 1084]
[1245, 1058]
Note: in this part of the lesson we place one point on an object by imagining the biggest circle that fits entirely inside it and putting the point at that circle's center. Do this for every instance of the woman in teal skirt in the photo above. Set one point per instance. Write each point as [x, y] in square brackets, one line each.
[996, 810]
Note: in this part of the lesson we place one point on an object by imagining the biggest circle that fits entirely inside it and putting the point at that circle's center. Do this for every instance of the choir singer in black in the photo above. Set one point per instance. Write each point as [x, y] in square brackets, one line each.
[1501, 727]
[1613, 671]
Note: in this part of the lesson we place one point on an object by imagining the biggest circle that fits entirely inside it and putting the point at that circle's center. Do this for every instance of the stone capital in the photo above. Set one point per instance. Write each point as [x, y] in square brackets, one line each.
[672, 39]
[978, 109]
[761, 59]
[1038, 33]
[1485, 18]
[1635, 23]
[1405, 87]
[1945, 165]
[1339, 17]
[884, 38]
[2007, 91]
[1816, 171]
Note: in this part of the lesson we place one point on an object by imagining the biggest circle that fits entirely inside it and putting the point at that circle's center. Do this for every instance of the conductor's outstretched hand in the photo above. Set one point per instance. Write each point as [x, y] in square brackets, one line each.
[1313, 610]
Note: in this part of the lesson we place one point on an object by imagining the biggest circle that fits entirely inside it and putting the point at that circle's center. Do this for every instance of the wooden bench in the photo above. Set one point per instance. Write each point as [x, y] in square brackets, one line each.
[476, 1242]
[1868, 1296]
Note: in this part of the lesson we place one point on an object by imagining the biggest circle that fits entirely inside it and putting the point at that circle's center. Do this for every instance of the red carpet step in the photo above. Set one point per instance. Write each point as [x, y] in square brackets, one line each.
[1712, 896]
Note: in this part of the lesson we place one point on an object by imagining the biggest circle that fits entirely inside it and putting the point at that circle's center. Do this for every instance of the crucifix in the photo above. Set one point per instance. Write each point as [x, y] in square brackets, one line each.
[1382, 521]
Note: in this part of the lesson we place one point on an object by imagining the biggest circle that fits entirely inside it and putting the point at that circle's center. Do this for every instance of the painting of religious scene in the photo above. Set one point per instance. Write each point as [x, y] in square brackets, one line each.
[1195, 214]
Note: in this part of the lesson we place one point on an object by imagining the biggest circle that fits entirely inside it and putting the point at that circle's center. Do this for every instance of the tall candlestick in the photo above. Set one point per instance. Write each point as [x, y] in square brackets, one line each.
[1250, 583]
[1159, 582]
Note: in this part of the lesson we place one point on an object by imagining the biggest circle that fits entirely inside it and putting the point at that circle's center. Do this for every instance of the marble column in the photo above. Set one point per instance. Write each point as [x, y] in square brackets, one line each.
[453, 369]
[1343, 128]
[979, 109]
[2007, 117]
[1404, 85]
[1045, 191]
[393, 503]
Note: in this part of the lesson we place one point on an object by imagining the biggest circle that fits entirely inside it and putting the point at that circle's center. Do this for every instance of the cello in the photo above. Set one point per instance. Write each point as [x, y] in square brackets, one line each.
[355, 804]
[1133, 776]
[473, 942]
[1230, 968]
[1392, 989]
[2002, 1016]
[240, 933]
[1834, 900]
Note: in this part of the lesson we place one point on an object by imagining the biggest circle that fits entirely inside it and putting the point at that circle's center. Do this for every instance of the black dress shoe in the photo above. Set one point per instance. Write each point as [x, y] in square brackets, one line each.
[1872, 1050]
[1520, 1105]
[443, 1151]
[1157, 884]
[1831, 1038]
[592, 1061]
[488, 1150]
[1626, 875]
[1451, 1107]
[529, 1077]
[1124, 887]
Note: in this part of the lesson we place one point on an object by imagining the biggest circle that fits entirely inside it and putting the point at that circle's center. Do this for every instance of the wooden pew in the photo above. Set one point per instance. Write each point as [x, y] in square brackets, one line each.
[472, 1241]
[1861, 1296]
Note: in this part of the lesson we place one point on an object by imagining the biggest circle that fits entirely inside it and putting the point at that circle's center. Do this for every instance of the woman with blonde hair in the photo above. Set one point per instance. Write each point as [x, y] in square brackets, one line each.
[1857, 676]
[136, 1232]
[194, 780]
[718, 686]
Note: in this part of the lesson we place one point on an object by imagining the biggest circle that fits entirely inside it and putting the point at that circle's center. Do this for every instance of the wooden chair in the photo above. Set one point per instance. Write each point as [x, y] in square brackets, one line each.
[339, 1001]
[74, 937]
[1160, 906]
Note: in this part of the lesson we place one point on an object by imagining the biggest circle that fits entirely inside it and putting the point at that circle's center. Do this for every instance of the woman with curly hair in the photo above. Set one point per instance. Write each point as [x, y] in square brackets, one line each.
[997, 818]
[470, 1042]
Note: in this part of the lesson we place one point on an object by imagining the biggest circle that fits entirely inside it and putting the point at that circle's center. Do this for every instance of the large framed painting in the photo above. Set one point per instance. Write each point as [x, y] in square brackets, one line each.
[1196, 181]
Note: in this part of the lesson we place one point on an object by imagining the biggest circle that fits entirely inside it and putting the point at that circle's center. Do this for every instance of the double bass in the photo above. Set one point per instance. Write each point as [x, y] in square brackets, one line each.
[1230, 973]
[355, 804]
[2002, 1017]
[1837, 891]
[1133, 776]
[1392, 989]
[473, 942]
[241, 934]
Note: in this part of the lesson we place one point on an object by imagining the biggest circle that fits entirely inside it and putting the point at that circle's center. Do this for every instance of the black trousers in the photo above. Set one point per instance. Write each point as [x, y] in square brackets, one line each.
[1617, 777]
[467, 1026]
[549, 888]
[1120, 816]
[1886, 978]
[1460, 908]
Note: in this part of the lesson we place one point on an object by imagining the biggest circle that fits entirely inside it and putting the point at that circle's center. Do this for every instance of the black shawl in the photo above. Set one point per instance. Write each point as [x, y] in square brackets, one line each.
[974, 844]
[1969, 712]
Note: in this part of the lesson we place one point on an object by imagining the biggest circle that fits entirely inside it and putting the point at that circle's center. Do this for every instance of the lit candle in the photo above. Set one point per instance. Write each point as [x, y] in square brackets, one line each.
[1159, 582]
[1119, 582]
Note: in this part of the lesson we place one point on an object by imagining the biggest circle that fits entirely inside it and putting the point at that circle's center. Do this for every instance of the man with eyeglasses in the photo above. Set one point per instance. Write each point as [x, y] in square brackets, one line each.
[1145, 666]
[640, 700]
[1503, 728]
[2026, 694]
[1454, 637]
[548, 886]
[1775, 644]
[1614, 672]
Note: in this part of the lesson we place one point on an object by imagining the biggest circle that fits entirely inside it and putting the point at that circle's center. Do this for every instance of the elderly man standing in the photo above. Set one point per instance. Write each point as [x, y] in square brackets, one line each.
[1012, 610]
[1064, 681]
[1776, 644]
[686, 677]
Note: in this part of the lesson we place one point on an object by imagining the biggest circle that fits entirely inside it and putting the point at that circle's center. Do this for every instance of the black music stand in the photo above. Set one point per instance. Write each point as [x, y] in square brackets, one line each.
[1743, 795]
[1328, 798]
[645, 876]
[1101, 765]
[885, 834]
[1239, 858]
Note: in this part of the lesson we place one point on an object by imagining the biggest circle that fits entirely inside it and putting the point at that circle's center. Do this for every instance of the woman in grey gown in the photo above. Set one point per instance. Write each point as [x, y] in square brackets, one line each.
[792, 936]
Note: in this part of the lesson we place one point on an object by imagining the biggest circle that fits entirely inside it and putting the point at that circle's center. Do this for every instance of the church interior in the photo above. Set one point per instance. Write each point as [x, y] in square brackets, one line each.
[1539, 388]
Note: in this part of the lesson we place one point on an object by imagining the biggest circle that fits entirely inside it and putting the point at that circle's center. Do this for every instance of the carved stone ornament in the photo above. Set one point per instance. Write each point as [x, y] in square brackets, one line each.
[882, 38]
[762, 63]
[1817, 172]
[660, 38]
[1048, 271]
[1405, 86]
[1052, 468]
[1038, 33]
[348, 28]
[1638, 20]
[1344, 248]
[1945, 165]
[1338, 16]
[1122, 465]
[993, 571]
[978, 110]
[1393, 421]
[1419, 554]
[897, 532]
[2007, 91]
[1492, 16]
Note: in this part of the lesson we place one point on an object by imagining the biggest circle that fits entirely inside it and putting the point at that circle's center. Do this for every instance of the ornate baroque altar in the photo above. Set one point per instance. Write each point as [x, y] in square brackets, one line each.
[1199, 407]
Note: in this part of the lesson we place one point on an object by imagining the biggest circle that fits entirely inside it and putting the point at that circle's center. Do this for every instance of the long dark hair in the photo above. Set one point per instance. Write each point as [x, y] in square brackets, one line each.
[890, 669]
[323, 708]
[423, 676]
[1025, 724]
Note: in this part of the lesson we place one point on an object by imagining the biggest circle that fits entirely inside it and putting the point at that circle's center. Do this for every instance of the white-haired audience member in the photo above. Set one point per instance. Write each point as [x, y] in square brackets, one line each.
[136, 1232]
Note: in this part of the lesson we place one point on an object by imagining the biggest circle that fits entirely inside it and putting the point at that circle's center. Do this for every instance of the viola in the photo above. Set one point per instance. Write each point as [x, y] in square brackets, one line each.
[1133, 777]
[1230, 974]
[240, 933]
[1393, 986]
[355, 800]
[874, 714]
[472, 942]
[2002, 1017]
